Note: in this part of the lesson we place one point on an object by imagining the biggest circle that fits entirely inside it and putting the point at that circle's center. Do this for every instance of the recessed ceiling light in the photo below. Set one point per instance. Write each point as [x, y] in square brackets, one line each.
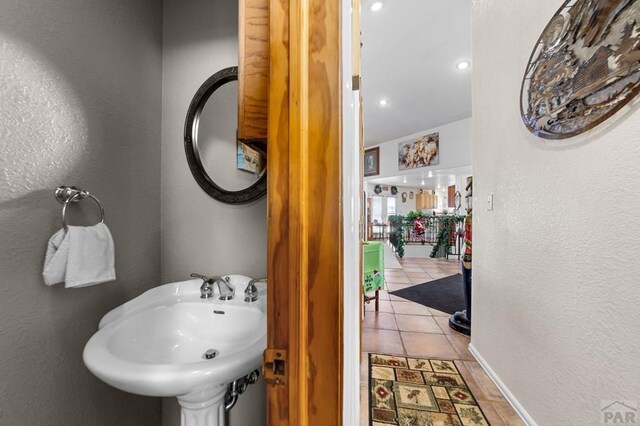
[383, 102]
[404, 180]
[463, 65]
[430, 174]
[422, 183]
[376, 6]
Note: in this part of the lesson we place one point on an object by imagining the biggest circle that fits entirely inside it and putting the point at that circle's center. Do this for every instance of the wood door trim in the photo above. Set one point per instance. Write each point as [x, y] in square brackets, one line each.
[278, 254]
[298, 201]
[305, 241]
[278, 207]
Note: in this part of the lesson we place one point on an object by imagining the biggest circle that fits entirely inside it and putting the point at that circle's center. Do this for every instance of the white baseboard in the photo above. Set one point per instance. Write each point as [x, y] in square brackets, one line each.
[519, 409]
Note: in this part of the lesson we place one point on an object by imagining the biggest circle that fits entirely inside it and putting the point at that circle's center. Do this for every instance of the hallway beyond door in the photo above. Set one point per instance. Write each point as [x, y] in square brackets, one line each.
[402, 327]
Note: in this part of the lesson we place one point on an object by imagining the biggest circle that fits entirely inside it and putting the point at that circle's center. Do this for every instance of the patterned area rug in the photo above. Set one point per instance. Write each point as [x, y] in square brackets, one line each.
[419, 392]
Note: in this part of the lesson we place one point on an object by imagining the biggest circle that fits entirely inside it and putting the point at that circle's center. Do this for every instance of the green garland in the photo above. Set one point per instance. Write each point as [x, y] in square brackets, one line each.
[413, 215]
[397, 237]
[398, 223]
[444, 236]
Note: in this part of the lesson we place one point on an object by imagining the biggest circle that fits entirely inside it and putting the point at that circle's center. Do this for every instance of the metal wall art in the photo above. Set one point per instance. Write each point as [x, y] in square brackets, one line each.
[420, 152]
[584, 68]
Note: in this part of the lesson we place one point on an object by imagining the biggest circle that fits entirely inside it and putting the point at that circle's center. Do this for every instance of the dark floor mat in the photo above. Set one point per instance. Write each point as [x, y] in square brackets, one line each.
[445, 294]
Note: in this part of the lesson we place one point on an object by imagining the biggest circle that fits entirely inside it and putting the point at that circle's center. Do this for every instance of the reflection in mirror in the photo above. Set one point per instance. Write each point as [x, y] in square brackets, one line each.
[217, 139]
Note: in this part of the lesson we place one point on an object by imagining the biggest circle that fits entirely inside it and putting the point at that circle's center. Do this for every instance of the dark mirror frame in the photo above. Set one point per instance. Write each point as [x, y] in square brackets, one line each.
[191, 125]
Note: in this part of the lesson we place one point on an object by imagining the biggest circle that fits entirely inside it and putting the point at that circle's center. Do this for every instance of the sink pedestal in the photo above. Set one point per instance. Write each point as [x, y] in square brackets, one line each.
[205, 408]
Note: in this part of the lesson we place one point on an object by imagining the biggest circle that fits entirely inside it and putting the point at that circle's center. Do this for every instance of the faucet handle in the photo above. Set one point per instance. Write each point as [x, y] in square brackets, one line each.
[251, 292]
[212, 279]
[258, 280]
[206, 289]
[202, 277]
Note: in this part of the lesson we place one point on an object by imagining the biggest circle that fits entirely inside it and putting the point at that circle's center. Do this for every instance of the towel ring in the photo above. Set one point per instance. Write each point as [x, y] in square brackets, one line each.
[71, 194]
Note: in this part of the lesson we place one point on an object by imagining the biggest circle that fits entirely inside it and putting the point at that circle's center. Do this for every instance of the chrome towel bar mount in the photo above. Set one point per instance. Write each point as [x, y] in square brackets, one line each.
[72, 194]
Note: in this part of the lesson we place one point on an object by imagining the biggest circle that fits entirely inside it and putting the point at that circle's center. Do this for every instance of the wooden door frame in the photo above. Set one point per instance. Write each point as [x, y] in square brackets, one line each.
[305, 224]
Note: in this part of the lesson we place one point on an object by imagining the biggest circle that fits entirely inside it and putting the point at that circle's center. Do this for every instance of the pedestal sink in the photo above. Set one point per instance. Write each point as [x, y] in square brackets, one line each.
[168, 342]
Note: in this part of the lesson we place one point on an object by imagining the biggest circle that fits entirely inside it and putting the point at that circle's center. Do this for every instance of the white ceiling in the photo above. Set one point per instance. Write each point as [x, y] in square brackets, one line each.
[409, 56]
[432, 179]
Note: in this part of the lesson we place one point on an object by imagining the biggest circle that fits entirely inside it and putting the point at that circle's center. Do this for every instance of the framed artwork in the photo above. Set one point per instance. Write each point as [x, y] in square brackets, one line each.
[249, 159]
[372, 162]
[420, 152]
[584, 67]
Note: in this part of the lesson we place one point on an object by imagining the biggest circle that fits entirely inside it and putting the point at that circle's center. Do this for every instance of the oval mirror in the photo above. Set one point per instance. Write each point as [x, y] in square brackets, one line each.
[230, 172]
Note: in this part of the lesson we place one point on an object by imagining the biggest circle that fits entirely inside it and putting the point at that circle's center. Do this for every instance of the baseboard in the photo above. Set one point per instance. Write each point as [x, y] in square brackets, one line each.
[519, 409]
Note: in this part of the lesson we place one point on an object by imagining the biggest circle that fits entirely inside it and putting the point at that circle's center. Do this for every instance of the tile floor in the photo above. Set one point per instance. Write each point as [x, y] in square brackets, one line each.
[404, 327]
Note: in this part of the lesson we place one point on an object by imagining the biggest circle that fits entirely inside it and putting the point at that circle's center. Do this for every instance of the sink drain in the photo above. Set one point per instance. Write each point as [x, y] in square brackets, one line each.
[210, 354]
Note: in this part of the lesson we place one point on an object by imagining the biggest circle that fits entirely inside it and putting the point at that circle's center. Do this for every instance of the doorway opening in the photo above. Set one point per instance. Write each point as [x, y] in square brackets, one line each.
[417, 182]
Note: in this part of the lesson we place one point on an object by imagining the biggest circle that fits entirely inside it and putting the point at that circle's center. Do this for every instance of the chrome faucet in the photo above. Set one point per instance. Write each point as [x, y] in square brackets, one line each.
[207, 289]
[251, 292]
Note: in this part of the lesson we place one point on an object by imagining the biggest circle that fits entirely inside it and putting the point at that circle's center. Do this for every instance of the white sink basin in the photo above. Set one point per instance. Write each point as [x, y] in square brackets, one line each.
[154, 345]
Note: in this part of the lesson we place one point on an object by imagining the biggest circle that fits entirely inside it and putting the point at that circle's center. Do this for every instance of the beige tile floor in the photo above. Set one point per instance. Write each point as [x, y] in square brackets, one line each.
[404, 327]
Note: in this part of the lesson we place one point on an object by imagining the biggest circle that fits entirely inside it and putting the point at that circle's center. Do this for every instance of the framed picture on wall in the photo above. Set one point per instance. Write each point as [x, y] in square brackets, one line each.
[372, 162]
[420, 152]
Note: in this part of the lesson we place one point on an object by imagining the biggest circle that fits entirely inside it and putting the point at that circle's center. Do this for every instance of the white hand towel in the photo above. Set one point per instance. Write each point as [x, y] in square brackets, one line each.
[87, 253]
[91, 256]
[55, 262]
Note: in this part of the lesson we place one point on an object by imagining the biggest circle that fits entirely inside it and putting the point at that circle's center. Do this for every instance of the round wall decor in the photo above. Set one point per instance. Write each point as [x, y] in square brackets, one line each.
[583, 69]
[192, 135]
[377, 189]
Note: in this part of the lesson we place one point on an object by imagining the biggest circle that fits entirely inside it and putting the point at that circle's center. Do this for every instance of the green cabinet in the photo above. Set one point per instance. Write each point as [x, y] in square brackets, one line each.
[373, 253]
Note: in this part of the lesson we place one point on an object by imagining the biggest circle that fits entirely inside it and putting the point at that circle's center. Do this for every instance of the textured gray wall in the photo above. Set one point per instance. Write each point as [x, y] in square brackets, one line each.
[80, 104]
[200, 234]
[555, 271]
